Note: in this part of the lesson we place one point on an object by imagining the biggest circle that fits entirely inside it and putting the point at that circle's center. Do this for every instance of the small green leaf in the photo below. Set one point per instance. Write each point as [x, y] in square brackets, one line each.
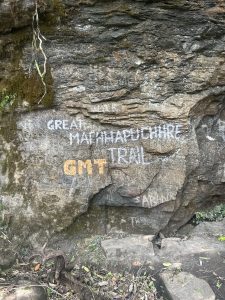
[85, 269]
[221, 238]
[38, 69]
[167, 264]
[218, 284]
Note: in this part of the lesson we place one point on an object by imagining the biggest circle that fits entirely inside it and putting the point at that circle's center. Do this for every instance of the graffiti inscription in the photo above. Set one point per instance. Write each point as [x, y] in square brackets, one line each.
[116, 152]
[153, 198]
[166, 131]
[73, 167]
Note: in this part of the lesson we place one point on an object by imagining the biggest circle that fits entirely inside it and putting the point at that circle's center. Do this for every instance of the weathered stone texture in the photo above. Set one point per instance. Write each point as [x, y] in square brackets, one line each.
[129, 251]
[184, 286]
[15, 14]
[136, 129]
[26, 291]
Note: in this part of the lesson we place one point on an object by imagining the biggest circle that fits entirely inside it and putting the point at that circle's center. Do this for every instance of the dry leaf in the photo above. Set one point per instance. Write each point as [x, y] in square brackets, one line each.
[37, 267]
[136, 263]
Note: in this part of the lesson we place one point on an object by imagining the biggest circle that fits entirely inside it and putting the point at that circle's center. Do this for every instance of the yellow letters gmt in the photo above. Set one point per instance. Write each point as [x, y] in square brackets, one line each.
[73, 167]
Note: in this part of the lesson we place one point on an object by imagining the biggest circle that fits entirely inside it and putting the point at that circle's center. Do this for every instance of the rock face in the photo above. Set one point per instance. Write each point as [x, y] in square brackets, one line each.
[16, 14]
[130, 135]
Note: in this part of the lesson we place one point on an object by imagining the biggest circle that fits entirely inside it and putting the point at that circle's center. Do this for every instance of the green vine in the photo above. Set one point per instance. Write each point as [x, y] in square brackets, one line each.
[37, 49]
[6, 99]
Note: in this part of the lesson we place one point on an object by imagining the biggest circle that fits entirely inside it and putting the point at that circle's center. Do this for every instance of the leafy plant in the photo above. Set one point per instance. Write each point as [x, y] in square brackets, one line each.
[1, 206]
[215, 214]
[218, 284]
[6, 99]
[167, 264]
[49, 292]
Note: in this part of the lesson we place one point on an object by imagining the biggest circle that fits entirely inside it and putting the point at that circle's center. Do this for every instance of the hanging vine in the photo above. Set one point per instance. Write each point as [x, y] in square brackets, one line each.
[37, 50]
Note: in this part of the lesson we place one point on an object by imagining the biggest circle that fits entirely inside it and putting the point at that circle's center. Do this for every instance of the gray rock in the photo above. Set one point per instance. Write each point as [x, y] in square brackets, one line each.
[28, 292]
[132, 250]
[202, 239]
[185, 286]
[209, 230]
[175, 249]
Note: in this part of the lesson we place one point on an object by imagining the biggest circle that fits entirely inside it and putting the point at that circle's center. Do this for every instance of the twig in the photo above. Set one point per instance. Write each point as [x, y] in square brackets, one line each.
[5, 237]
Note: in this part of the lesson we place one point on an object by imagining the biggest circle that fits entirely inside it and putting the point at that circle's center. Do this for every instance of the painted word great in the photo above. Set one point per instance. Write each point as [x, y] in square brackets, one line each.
[73, 167]
[64, 124]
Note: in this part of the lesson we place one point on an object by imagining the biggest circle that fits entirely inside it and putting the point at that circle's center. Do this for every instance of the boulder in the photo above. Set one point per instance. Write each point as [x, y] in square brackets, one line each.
[185, 286]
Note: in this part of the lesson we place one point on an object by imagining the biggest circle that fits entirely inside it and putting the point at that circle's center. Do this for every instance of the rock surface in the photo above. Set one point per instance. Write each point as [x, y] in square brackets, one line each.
[201, 254]
[28, 292]
[130, 136]
[176, 248]
[15, 14]
[209, 230]
[129, 251]
[185, 286]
